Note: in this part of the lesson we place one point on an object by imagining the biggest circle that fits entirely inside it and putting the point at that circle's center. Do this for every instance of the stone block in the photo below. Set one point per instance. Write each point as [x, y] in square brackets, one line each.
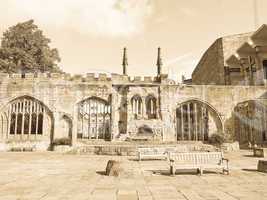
[258, 152]
[127, 195]
[262, 166]
[102, 77]
[113, 168]
[29, 75]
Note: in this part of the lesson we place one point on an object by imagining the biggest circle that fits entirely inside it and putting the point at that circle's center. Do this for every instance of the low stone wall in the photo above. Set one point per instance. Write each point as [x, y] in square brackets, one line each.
[228, 147]
[128, 149]
[25, 146]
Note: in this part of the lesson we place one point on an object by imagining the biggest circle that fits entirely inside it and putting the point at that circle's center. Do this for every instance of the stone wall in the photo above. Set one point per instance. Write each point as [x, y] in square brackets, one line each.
[210, 69]
[62, 94]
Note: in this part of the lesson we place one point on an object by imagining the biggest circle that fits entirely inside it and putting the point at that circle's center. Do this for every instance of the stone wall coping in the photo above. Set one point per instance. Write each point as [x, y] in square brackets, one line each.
[88, 77]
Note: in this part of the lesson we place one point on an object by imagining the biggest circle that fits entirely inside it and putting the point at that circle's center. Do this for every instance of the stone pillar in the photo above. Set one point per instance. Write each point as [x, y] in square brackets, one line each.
[115, 117]
[251, 79]
[202, 124]
[182, 122]
[144, 114]
[189, 121]
[75, 125]
[259, 71]
[196, 122]
[57, 128]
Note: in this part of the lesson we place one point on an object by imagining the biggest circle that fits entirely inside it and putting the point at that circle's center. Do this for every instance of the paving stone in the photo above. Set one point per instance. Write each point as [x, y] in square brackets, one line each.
[127, 195]
[49, 176]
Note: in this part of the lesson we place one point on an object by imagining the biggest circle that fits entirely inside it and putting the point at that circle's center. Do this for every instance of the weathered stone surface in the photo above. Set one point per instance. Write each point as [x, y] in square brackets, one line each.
[42, 175]
[113, 168]
[259, 152]
[262, 166]
[230, 146]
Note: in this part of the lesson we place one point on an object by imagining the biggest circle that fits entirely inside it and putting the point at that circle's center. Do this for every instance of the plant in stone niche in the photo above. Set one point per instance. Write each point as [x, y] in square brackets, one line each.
[62, 141]
[217, 139]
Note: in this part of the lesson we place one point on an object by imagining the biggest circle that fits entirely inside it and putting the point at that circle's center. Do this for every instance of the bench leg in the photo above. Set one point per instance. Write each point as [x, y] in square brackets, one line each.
[226, 170]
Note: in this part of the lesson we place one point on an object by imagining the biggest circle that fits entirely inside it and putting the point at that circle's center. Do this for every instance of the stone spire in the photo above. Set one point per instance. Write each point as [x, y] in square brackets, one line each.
[124, 61]
[159, 62]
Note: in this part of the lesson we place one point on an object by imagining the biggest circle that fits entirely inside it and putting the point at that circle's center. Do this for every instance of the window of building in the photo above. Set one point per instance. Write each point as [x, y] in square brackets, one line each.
[136, 106]
[26, 116]
[94, 119]
[151, 107]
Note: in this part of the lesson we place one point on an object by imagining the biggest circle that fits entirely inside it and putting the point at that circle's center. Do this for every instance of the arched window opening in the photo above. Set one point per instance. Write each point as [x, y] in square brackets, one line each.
[25, 116]
[136, 106]
[196, 120]
[94, 119]
[151, 107]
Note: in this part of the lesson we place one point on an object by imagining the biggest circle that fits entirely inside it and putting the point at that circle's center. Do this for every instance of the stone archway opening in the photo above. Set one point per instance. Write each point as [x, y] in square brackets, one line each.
[250, 122]
[66, 126]
[26, 119]
[94, 119]
[197, 121]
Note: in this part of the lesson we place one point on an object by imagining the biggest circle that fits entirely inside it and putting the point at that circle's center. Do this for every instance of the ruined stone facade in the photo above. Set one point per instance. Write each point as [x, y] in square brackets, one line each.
[234, 60]
[40, 108]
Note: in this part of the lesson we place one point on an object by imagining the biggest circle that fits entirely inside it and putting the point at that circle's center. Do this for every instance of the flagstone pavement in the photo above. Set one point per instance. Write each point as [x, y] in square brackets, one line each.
[54, 176]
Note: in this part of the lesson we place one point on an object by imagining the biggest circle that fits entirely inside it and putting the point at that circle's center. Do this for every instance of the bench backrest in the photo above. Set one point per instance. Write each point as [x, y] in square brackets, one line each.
[196, 158]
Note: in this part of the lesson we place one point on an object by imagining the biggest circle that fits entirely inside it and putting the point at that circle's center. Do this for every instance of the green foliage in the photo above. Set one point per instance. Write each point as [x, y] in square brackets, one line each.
[217, 139]
[24, 48]
[62, 141]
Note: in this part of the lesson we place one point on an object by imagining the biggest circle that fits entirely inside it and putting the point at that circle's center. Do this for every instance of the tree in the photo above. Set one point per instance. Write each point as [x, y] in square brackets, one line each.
[24, 48]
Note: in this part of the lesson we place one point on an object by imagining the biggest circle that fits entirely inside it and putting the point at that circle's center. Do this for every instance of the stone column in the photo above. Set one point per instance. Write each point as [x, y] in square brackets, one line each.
[189, 121]
[196, 122]
[259, 70]
[115, 117]
[9, 121]
[143, 107]
[74, 125]
[202, 123]
[251, 79]
[182, 122]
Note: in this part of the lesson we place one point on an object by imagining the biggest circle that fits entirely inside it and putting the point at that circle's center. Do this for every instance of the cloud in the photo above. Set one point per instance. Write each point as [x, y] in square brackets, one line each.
[98, 17]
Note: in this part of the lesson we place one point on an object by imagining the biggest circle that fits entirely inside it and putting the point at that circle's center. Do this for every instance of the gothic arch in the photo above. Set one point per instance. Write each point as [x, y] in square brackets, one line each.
[26, 118]
[137, 105]
[66, 126]
[151, 107]
[94, 119]
[197, 120]
[250, 122]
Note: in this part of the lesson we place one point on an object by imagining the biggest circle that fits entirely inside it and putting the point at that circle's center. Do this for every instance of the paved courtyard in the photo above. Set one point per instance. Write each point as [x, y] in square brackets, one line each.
[51, 176]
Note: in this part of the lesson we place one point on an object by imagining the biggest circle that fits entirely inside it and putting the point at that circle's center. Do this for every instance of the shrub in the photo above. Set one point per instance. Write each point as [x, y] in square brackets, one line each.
[62, 141]
[217, 139]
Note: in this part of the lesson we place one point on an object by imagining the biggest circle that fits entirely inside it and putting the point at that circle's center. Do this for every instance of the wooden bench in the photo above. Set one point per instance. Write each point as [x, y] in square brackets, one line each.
[154, 152]
[198, 160]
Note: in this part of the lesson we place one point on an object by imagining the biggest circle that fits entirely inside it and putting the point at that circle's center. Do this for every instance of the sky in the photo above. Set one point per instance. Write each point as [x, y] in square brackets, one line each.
[91, 34]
